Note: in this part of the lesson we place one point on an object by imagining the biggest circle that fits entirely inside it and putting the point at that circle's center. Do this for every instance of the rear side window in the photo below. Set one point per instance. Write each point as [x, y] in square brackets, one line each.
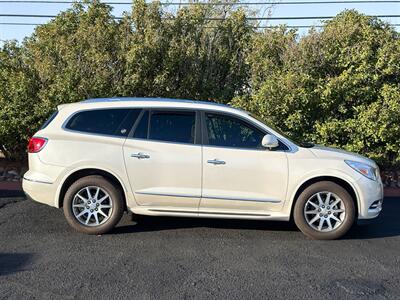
[168, 126]
[48, 121]
[176, 127]
[117, 122]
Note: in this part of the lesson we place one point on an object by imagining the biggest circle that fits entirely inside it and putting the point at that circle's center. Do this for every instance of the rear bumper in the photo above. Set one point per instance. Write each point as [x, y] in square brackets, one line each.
[43, 192]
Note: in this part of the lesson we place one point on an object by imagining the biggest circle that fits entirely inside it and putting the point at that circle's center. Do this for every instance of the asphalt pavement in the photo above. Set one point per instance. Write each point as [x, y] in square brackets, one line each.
[41, 257]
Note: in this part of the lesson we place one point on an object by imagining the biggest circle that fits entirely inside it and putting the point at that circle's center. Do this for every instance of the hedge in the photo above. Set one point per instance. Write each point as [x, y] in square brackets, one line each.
[338, 85]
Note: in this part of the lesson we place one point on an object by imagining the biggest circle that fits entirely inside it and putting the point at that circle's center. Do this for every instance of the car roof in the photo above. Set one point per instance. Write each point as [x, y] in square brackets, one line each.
[150, 99]
[96, 103]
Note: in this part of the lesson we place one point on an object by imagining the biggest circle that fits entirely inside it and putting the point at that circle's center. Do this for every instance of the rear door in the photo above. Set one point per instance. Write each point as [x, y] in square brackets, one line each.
[163, 159]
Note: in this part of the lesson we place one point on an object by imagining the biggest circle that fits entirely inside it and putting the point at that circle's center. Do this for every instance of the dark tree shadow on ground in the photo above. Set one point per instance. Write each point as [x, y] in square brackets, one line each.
[13, 262]
[387, 225]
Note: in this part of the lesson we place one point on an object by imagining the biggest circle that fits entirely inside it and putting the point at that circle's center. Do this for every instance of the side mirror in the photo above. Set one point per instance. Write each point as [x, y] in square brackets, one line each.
[269, 141]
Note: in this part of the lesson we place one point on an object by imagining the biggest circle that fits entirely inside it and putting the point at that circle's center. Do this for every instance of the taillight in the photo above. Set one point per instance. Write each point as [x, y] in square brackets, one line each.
[36, 144]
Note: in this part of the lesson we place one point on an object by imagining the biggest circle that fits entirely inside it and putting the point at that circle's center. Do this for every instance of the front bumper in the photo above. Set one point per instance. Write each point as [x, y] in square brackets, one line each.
[370, 194]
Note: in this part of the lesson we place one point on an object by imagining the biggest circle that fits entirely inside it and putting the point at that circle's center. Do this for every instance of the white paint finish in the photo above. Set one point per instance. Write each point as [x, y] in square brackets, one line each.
[258, 175]
[176, 170]
[171, 176]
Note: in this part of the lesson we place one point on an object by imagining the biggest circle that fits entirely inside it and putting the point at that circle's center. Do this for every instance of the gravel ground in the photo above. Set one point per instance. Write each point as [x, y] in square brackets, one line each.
[173, 258]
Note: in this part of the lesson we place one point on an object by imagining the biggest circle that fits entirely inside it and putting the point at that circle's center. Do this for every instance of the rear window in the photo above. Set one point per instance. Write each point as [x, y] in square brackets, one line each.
[168, 126]
[48, 121]
[117, 122]
[175, 127]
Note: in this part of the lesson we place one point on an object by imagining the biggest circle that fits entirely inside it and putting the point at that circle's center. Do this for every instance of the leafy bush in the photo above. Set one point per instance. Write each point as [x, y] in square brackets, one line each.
[336, 86]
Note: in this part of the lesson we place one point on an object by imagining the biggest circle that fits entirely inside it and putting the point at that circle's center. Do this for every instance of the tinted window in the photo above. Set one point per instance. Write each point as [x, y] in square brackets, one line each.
[178, 127]
[142, 127]
[51, 118]
[104, 121]
[227, 131]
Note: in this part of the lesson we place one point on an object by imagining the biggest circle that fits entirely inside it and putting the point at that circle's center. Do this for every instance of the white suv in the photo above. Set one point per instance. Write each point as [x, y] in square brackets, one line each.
[165, 157]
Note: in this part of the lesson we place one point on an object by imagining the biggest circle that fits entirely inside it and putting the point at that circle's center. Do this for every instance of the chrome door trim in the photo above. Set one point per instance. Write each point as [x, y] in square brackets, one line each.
[242, 199]
[36, 181]
[168, 195]
[211, 197]
[209, 213]
[232, 213]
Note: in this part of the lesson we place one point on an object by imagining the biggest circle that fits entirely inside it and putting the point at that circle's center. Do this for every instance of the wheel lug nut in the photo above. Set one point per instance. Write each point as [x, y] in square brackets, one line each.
[95, 209]
[323, 206]
[88, 202]
[91, 210]
[326, 216]
[319, 209]
[320, 215]
[87, 207]
[328, 207]
[329, 212]
[97, 204]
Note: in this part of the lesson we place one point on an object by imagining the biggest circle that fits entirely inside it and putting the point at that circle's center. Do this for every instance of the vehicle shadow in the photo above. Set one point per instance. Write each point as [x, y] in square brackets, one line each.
[151, 223]
[13, 262]
[387, 225]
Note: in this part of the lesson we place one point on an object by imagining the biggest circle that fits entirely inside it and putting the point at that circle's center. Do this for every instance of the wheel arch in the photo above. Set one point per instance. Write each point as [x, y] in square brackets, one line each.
[339, 181]
[77, 174]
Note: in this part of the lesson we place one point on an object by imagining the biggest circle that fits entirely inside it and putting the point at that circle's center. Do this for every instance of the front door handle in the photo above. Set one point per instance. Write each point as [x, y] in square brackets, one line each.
[140, 155]
[216, 162]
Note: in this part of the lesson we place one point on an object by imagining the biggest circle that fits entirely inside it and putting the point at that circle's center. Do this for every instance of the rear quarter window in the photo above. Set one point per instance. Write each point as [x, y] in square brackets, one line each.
[48, 121]
[116, 122]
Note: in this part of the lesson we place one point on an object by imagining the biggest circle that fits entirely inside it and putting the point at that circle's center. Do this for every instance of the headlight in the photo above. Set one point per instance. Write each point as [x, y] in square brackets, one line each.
[364, 169]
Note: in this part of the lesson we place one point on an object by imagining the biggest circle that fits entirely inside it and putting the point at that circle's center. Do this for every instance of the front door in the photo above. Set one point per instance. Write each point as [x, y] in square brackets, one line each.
[239, 175]
[163, 161]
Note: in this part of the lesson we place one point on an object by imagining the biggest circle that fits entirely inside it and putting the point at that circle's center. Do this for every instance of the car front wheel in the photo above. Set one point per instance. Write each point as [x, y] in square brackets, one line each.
[324, 211]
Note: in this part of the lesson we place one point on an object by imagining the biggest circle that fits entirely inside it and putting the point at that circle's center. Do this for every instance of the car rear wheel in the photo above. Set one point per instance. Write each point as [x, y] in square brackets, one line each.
[93, 205]
[324, 211]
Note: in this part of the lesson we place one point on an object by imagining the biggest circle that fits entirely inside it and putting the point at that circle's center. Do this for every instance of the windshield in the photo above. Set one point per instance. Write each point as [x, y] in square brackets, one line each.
[296, 141]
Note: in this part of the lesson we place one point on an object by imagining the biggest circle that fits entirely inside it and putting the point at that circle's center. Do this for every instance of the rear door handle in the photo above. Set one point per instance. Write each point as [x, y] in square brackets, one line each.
[140, 155]
[216, 162]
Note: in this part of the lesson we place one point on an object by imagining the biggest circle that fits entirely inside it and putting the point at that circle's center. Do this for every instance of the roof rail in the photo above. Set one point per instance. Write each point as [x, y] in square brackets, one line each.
[139, 99]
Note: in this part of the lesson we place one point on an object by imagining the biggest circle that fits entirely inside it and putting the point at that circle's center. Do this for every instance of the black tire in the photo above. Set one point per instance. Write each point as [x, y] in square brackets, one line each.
[324, 186]
[113, 192]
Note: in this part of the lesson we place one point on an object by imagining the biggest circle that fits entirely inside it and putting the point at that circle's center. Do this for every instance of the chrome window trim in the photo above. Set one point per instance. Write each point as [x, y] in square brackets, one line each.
[149, 108]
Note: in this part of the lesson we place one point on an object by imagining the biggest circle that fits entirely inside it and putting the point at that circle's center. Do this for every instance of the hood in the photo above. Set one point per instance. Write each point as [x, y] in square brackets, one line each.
[327, 152]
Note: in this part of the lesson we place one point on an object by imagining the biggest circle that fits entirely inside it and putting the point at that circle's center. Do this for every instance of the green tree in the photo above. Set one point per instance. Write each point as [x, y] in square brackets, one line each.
[20, 114]
[337, 86]
[73, 57]
[186, 55]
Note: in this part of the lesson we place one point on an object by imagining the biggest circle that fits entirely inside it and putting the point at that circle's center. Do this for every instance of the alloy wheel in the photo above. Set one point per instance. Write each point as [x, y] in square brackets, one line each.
[92, 206]
[324, 211]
